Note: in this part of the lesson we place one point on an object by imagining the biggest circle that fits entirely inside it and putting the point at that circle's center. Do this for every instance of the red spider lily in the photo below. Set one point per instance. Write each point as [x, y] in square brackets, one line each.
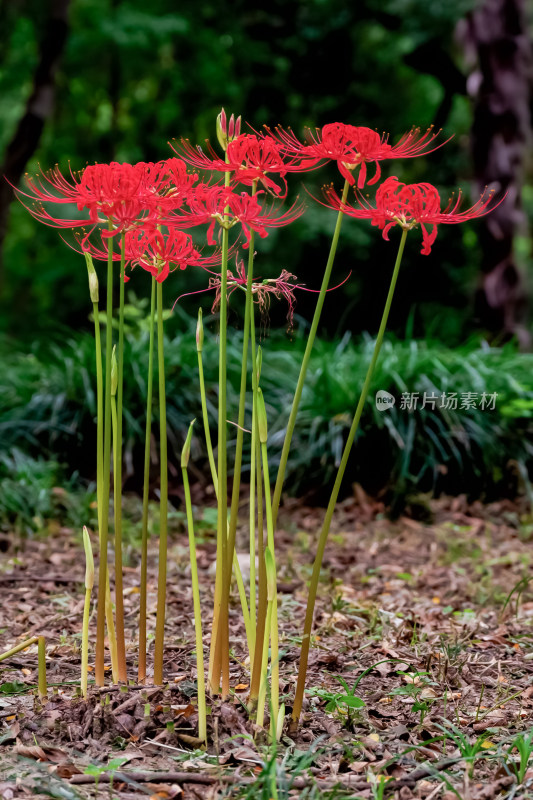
[212, 204]
[249, 157]
[409, 205]
[113, 191]
[167, 184]
[160, 253]
[353, 147]
[121, 193]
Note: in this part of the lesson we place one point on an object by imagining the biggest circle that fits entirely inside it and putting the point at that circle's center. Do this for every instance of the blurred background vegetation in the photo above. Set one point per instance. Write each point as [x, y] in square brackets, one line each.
[99, 80]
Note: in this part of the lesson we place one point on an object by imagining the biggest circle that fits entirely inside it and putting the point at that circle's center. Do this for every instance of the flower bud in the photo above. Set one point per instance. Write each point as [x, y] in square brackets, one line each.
[89, 562]
[226, 134]
[199, 332]
[262, 417]
[114, 372]
[234, 128]
[93, 278]
[270, 567]
[186, 452]
[258, 363]
[222, 130]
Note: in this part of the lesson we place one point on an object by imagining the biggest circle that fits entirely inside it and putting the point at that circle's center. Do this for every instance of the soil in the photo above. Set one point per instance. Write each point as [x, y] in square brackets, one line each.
[422, 612]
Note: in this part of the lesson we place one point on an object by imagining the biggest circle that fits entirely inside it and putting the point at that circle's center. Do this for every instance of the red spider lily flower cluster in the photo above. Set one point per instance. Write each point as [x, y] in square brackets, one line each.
[220, 204]
[351, 147]
[250, 159]
[139, 200]
[160, 252]
[153, 204]
[116, 193]
[409, 205]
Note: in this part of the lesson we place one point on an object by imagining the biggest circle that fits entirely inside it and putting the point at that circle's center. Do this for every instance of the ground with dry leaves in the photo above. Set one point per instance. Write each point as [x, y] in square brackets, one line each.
[426, 604]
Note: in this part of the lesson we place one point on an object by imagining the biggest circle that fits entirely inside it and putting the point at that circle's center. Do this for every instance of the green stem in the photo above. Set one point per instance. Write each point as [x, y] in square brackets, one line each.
[85, 642]
[313, 587]
[242, 596]
[263, 661]
[41, 658]
[255, 682]
[99, 413]
[305, 362]
[273, 628]
[18, 648]
[202, 718]
[220, 634]
[205, 418]
[99, 484]
[235, 495]
[146, 492]
[117, 482]
[252, 534]
[163, 499]
[99, 674]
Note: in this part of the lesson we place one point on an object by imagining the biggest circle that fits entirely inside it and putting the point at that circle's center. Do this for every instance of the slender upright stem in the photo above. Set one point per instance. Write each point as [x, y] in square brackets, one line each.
[163, 498]
[100, 483]
[41, 657]
[85, 642]
[273, 630]
[89, 582]
[99, 413]
[205, 417]
[202, 721]
[313, 587]
[220, 634]
[255, 683]
[146, 492]
[305, 362]
[252, 531]
[117, 482]
[263, 662]
[242, 401]
[102, 572]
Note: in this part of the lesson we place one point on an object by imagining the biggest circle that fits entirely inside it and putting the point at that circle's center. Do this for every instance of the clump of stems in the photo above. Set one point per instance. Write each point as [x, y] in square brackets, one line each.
[156, 199]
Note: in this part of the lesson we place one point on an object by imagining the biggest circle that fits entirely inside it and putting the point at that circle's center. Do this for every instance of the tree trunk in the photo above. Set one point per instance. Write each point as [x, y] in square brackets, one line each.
[500, 84]
[38, 109]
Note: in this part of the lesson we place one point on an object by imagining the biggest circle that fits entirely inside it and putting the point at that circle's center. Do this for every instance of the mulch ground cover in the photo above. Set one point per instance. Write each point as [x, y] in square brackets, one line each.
[433, 618]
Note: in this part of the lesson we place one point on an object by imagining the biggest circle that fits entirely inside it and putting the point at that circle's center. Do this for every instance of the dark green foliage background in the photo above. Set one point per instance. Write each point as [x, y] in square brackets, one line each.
[135, 76]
